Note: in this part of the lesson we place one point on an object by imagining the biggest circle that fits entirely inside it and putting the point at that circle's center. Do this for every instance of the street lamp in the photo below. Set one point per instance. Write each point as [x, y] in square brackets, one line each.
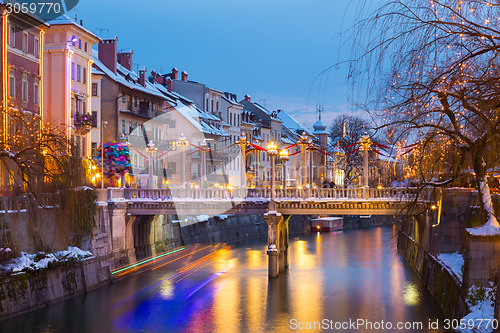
[182, 142]
[284, 157]
[303, 173]
[243, 143]
[204, 148]
[151, 150]
[103, 123]
[272, 150]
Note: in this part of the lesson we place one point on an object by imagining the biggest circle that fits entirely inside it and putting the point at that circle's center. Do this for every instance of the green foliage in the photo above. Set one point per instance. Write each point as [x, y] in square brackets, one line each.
[78, 209]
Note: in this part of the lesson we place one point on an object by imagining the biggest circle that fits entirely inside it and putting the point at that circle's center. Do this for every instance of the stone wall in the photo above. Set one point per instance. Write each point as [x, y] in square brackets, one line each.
[439, 281]
[355, 222]
[29, 290]
[481, 260]
[235, 228]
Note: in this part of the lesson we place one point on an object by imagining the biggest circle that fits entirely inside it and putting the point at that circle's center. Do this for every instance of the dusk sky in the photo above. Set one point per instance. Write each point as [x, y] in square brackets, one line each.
[271, 50]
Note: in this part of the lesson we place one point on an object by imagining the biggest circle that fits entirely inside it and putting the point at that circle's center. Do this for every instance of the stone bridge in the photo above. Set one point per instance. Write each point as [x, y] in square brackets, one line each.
[127, 209]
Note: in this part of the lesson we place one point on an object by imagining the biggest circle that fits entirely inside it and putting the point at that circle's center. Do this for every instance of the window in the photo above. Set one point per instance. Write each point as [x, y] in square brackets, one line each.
[217, 106]
[231, 119]
[135, 101]
[212, 102]
[94, 149]
[130, 128]
[238, 122]
[80, 44]
[94, 118]
[124, 99]
[25, 42]
[84, 110]
[85, 47]
[206, 109]
[73, 70]
[94, 89]
[36, 90]
[12, 36]
[36, 51]
[123, 126]
[84, 75]
[79, 73]
[12, 83]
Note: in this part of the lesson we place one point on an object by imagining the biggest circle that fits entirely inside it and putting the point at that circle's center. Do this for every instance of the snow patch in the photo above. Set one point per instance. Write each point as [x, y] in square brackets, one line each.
[222, 217]
[453, 262]
[481, 311]
[201, 218]
[41, 260]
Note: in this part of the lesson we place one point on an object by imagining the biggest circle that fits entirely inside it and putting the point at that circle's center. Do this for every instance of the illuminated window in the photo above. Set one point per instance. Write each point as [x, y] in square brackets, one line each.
[94, 89]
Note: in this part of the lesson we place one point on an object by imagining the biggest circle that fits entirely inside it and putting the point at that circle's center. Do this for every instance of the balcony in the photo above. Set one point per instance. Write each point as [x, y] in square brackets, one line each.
[83, 123]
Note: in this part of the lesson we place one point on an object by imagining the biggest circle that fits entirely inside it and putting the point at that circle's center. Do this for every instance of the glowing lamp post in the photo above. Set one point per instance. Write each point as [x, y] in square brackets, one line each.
[182, 143]
[151, 150]
[204, 149]
[365, 147]
[303, 172]
[243, 144]
[284, 157]
[272, 150]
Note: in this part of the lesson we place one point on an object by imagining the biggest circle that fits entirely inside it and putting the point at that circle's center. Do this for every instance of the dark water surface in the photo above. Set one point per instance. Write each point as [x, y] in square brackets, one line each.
[342, 277]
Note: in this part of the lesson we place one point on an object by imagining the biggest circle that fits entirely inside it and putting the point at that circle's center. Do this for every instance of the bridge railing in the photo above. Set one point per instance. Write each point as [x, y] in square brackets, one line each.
[405, 194]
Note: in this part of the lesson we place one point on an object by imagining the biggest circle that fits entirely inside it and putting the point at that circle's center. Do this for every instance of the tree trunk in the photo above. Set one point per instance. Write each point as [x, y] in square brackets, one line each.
[491, 225]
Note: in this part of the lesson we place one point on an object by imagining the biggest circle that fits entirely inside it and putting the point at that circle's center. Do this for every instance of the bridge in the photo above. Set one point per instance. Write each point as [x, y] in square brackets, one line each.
[125, 208]
[213, 201]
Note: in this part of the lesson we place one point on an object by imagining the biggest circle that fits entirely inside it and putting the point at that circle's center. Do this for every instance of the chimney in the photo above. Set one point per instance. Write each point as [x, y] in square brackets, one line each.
[158, 78]
[175, 74]
[226, 94]
[107, 53]
[125, 59]
[142, 76]
[184, 76]
[169, 85]
[81, 23]
[248, 98]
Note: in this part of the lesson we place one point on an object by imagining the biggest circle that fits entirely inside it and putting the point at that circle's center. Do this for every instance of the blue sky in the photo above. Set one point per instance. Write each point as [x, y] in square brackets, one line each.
[272, 50]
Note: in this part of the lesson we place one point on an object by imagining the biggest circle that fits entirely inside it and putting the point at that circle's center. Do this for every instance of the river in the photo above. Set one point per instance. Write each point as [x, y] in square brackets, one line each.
[333, 279]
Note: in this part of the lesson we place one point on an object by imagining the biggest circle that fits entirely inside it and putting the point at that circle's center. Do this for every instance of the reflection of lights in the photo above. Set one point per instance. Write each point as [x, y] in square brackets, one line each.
[411, 295]
[210, 279]
[145, 261]
[433, 207]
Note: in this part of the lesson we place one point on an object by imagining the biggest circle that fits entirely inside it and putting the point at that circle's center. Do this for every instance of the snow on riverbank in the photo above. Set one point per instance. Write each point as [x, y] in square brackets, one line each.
[481, 304]
[41, 260]
[454, 262]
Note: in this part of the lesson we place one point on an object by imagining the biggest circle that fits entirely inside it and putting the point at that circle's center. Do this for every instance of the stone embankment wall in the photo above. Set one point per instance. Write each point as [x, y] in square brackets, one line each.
[235, 228]
[355, 222]
[29, 290]
[444, 286]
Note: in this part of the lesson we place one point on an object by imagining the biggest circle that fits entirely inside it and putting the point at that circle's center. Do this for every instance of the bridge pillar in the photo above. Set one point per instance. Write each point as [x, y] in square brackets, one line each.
[277, 249]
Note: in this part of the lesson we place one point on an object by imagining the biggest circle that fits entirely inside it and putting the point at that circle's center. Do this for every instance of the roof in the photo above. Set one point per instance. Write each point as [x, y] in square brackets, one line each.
[127, 78]
[96, 71]
[66, 20]
[291, 123]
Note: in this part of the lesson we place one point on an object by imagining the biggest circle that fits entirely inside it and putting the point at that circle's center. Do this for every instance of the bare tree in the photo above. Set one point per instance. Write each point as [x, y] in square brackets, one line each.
[432, 69]
[38, 158]
[347, 130]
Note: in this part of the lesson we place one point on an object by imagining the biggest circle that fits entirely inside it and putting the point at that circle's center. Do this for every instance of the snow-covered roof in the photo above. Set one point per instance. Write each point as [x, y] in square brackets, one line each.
[127, 78]
[65, 19]
[291, 123]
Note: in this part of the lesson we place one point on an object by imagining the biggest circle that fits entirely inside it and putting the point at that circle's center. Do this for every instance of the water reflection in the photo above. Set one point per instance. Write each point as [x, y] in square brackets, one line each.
[339, 276]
